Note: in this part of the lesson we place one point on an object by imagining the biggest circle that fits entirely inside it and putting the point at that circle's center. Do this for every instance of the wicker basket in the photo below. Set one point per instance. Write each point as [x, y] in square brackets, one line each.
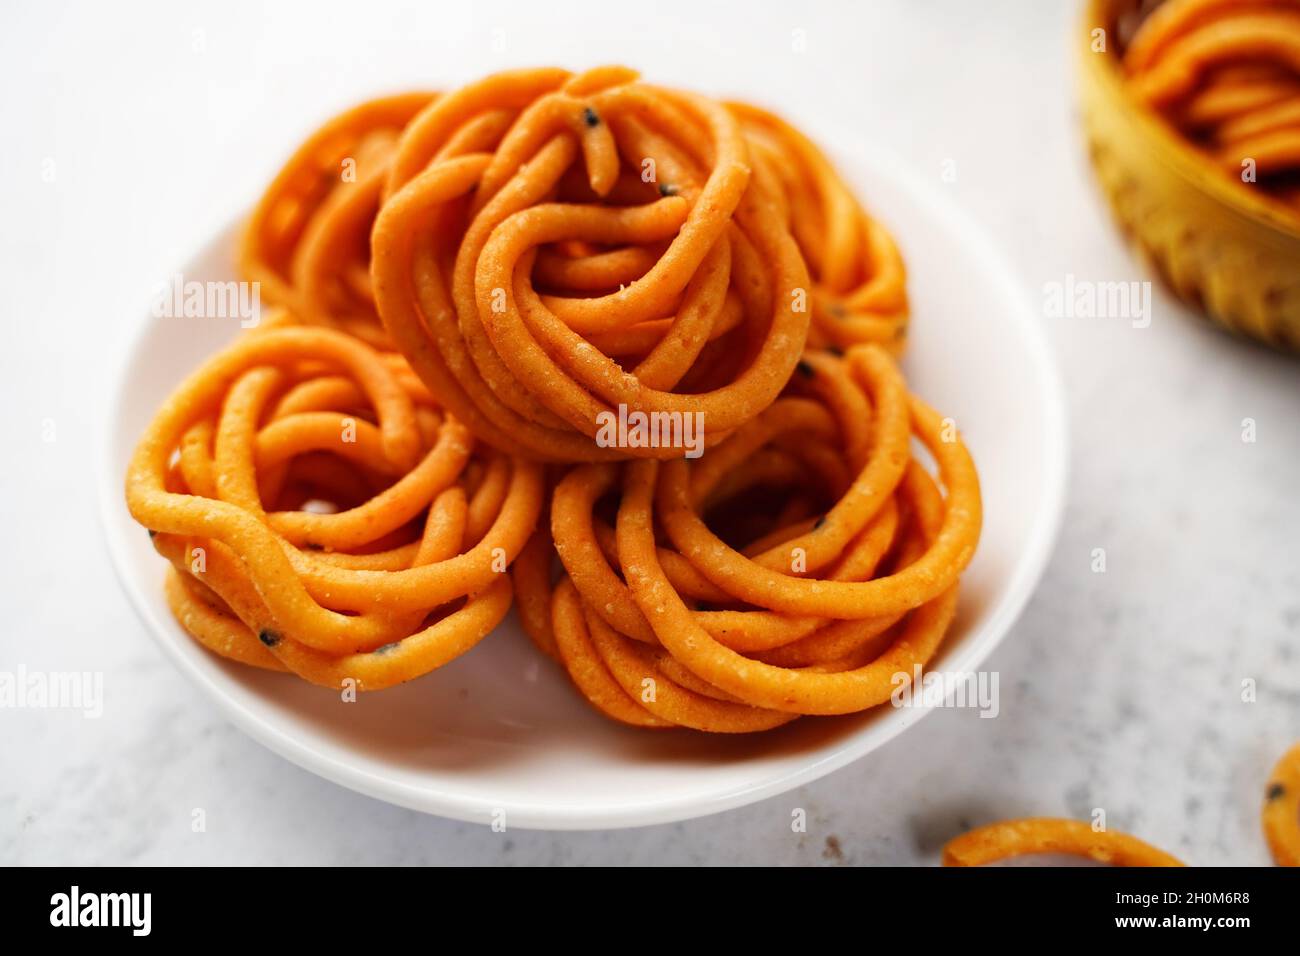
[1230, 251]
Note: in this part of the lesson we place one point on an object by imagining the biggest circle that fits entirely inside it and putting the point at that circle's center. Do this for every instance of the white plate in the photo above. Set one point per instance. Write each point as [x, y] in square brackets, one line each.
[501, 729]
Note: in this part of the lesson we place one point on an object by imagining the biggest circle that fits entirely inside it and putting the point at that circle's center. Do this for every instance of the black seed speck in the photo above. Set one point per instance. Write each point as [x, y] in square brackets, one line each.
[388, 647]
[590, 117]
[805, 369]
[835, 350]
[268, 637]
[1275, 791]
[819, 522]
[667, 189]
[152, 534]
[312, 546]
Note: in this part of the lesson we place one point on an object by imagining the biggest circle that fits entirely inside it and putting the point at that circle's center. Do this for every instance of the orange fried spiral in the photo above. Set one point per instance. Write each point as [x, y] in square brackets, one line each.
[859, 282]
[1226, 73]
[555, 247]
[307, 242]
[1012, 838]
[548, 251]
[324, 516]
[798, 568]
[1280, 817]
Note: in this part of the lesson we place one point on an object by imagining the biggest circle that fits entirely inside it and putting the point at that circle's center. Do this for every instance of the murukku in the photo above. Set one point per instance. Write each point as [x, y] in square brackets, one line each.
[323, 515]
[476, 284]
[1281, 814]
[803, 566]
[1226, 74]
[307, 243]
[1011, 838]
[859, 280]
[556, 250]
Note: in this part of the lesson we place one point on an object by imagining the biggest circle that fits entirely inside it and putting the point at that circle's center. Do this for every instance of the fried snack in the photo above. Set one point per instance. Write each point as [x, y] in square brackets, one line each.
[1226, 73]
[530, 576]
[324, 516]
[307, 242]
[859, 281]
[998, 841]
[823, 606]
[555, 248]
[1281, 814]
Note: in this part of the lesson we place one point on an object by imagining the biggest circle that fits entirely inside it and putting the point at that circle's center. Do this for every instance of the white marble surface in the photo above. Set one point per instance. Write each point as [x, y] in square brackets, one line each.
[1119, 690]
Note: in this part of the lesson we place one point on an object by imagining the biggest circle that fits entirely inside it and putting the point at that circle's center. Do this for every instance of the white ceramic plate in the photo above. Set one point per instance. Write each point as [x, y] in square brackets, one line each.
[501, 729]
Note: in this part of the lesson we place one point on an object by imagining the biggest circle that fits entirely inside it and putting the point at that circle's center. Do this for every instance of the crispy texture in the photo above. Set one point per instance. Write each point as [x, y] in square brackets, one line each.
[553, 246]
[1226, 73]
[307, 242]
[849, 585]
[998, 841]
[1281, 813]
[469, 281]
[404, 574]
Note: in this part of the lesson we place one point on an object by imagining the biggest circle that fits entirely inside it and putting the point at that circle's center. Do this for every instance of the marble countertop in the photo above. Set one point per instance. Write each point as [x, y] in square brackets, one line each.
[130, 139]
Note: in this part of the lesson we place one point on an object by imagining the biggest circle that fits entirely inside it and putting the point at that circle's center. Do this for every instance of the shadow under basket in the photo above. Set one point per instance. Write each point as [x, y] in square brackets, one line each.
[1229, 250]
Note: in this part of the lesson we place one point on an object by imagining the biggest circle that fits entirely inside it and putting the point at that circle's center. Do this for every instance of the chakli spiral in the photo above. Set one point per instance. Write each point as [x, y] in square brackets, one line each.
[307, 242]
[555, 248]
[324, 516]
[472, 287]
[1226, 73]
[840, 572]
